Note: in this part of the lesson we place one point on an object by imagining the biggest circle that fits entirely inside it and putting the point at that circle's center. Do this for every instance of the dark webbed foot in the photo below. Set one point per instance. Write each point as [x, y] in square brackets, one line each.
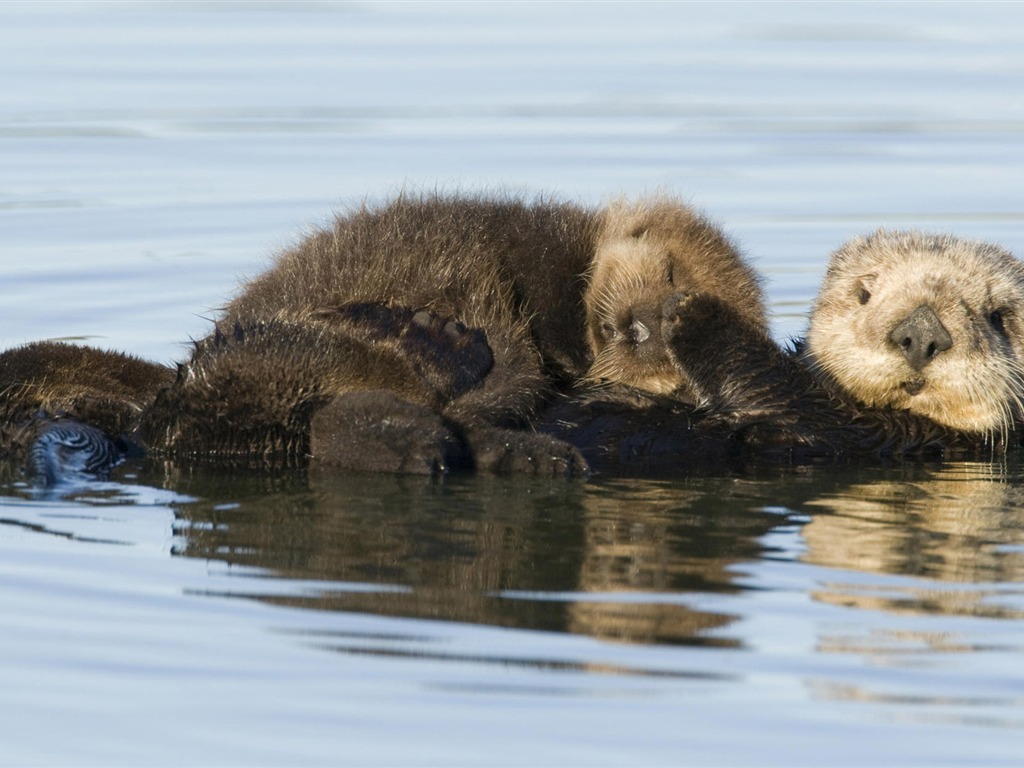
[518, 452]
[376, 431]
[449, 356]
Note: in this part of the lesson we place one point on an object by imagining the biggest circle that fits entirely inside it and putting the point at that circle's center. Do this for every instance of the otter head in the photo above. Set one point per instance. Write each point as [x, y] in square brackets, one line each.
[927, 323]
[646, 252]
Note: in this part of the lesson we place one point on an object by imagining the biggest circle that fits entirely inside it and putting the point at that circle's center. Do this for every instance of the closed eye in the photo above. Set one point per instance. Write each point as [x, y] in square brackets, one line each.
[672, 276]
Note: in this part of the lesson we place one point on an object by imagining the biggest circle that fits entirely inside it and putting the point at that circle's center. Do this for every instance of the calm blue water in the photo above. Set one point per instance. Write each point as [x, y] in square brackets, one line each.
[151, 154]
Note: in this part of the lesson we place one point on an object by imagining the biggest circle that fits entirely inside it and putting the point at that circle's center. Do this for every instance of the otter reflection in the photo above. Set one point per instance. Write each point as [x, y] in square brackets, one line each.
[958, 523]
[666, 539]
[611, 561]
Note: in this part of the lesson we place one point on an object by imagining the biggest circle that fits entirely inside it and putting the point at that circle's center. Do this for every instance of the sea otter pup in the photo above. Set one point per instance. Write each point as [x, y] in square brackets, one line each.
[278, 376]
[645, 252]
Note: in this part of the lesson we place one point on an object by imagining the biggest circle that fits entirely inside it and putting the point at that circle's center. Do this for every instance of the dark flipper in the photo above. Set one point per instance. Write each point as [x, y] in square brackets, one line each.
[377, 431]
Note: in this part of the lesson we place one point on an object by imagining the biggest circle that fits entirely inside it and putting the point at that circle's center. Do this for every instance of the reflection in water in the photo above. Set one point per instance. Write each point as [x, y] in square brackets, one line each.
[896, 592]
[613, 560]
[951, 535]
[644, 561]
[651, 540]
[957, 523]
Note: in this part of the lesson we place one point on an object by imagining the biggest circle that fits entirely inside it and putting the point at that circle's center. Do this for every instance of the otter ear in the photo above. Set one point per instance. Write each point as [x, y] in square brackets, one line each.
[863, 286]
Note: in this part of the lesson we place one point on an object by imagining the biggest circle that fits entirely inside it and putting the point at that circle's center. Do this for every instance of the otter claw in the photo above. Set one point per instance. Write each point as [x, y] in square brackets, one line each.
[423, 319]
[671, 312]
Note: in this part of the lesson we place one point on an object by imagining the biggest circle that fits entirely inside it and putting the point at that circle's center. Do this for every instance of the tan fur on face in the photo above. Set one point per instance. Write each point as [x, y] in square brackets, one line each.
[874, 282]
[647, 251]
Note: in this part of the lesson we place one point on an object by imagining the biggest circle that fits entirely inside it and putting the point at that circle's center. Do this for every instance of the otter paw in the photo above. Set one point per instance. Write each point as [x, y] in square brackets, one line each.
[509, 451]
[689, 311]
[674, 313]
[459, 357]
[697, 320]
[377, 431]
[448, 355]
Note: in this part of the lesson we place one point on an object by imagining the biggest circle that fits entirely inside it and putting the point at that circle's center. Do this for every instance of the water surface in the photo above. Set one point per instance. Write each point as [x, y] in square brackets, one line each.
[151, 155]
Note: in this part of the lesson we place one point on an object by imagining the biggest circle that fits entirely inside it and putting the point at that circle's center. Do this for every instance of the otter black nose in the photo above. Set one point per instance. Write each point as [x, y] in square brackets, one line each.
[640, 332]
[921, 336]
[644, 320]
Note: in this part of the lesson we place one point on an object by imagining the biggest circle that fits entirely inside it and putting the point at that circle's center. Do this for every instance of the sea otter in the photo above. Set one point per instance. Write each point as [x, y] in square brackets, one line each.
[758, 401]
[554, 288]
[927, 323]
[912, 350]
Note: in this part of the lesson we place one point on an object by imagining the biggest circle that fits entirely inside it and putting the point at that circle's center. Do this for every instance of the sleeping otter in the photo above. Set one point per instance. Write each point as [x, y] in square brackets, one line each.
[417, 336]
[278, 377]
[646, 252]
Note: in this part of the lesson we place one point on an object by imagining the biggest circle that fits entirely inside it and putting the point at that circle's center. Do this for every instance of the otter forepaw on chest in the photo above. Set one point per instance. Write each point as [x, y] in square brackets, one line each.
[674, 313]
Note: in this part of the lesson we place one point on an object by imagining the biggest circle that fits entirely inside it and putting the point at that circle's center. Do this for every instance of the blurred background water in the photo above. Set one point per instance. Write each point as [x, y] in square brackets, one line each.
[153, 154]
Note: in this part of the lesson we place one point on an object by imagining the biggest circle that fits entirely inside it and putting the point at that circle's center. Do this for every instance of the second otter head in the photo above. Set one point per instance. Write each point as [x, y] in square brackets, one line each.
[647, 251]
[927, 323]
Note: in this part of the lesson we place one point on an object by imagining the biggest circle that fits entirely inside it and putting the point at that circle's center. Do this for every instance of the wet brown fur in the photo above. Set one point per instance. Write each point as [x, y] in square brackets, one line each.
[511, 269]
[290, 356]
[371, 386]
[423, 334]
[766, 404]
[251, 395]
[646, 251]
[45, 381]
